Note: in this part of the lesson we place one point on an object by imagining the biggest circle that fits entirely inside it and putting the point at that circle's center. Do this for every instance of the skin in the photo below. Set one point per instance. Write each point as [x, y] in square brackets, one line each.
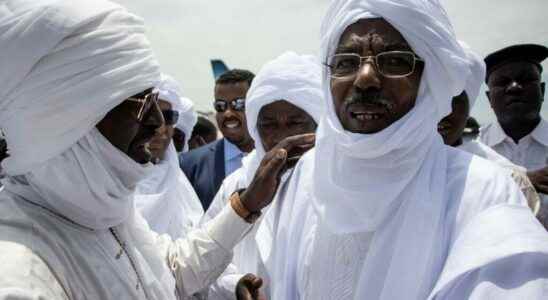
[452, 126]
[122, 129]
[516, 94]
[281, 119]
[248, 288]
[160, 141]
[368, 92]
[179, 139]
[237, 135]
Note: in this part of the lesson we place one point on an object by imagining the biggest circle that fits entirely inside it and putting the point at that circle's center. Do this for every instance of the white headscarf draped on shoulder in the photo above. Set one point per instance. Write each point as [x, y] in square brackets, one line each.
[392, 182]
[291, 77]
[62, 70]
[166, 199]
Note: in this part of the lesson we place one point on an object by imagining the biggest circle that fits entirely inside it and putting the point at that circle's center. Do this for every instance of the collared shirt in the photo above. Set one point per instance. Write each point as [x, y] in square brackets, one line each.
[530, 152]
[233, 157]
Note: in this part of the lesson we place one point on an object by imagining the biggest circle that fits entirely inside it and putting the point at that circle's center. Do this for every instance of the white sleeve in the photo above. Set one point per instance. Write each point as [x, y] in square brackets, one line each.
[201, 257]
[225, 287]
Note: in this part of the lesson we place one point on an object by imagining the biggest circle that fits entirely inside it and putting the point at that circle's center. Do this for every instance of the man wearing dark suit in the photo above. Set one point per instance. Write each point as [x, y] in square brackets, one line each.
[207, 166]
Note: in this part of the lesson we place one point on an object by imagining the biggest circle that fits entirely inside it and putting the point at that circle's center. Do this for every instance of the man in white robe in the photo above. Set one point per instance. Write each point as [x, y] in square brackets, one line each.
[385, 210]
[284, 101]
[166, 199]
[77, 108]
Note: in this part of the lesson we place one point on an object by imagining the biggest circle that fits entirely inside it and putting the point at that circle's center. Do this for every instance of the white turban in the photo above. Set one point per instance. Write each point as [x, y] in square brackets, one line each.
[477, 74]
[391, 182]
[64, 66]
[290, 77]
[171, 91]
[166, 199]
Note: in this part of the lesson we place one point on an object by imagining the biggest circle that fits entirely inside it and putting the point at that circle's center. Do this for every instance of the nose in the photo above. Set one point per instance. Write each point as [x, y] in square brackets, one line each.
[514, 87]
[368, 76]
[155, 119]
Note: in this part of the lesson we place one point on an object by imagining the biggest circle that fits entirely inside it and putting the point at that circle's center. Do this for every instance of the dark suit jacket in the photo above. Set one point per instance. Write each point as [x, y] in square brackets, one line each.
[205, 169]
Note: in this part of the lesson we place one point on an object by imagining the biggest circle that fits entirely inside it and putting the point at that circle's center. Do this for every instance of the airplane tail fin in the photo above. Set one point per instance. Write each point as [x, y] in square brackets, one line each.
[218, 67]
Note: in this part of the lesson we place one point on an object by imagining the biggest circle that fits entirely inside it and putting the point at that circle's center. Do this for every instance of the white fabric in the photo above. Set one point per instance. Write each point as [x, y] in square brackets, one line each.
[48, 257]
[167, 200]
[71, 167]
[64, 66]
[482, 150]
[170, 90]
[360, 180]
[295, 79]
[477, 74]
[291, 77]
[393, 156]
[531, 152]
[397, 184]
[518, 173]
[319, 264]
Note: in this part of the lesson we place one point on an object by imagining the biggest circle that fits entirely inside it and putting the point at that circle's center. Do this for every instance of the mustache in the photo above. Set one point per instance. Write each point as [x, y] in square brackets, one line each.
[369, 98]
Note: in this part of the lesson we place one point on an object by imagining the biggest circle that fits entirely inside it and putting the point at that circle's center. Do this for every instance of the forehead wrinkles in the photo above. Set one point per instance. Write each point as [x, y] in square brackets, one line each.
[371, 41]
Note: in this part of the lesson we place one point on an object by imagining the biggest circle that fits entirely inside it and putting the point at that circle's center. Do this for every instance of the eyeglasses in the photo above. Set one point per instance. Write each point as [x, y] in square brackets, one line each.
[145, 103]
[222, 106]
[171, 117]
[391, 64]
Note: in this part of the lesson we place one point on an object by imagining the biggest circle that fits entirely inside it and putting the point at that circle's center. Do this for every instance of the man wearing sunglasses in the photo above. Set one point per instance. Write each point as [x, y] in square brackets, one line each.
[78, 112]
[207, 166]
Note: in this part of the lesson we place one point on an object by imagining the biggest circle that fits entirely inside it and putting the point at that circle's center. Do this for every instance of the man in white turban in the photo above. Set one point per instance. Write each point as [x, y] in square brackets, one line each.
[385, 210]
[166, 198]
[78, 109]
[170, 90]
[284, 105]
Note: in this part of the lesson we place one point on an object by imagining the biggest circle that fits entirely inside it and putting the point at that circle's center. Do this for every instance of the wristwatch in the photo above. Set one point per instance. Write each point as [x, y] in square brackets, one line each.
[239, 208]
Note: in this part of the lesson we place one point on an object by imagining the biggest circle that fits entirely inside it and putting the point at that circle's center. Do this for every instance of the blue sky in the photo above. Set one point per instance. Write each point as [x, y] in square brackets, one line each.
[185, 34]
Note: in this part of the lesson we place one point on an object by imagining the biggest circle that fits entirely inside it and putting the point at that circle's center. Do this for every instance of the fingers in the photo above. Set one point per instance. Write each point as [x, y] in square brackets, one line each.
[297, 141]
[248, 287]
[276, 164]
[257, 282]
[542, 188]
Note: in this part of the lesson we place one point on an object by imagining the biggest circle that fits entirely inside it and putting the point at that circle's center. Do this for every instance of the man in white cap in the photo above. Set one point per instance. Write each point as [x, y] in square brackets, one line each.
[78, 109]
[284, 105]
[385, 210]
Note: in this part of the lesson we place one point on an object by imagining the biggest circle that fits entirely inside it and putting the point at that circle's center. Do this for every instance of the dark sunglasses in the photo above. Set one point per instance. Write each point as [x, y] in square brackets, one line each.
[146, 102]
[171, 117]
[222, 106]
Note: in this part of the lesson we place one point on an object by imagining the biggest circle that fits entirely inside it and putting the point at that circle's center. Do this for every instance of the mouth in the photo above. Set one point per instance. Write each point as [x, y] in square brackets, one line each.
[232, 124]
[517, 101]
[367, 112]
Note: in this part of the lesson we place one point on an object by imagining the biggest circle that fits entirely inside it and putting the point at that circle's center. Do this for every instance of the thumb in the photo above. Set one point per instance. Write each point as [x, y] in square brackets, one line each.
[257, 282]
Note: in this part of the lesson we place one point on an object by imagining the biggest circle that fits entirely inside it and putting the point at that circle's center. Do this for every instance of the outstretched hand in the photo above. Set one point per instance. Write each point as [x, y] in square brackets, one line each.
[263, 187]
[248, 288]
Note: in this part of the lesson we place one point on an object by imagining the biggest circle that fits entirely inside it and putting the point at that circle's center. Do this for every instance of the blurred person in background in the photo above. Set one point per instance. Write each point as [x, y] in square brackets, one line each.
[206, 167]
